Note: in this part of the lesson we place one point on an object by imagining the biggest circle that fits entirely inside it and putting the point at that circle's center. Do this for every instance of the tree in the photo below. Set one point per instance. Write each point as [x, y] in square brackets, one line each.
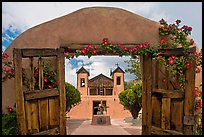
[73, 96]
[134, 68]
[131, 99]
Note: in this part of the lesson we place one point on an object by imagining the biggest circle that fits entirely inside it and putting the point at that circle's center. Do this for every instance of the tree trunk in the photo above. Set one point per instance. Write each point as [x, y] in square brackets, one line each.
[134, 110]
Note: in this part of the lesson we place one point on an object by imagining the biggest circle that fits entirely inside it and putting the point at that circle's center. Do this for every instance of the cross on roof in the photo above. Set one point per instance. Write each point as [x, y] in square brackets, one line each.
[117, 64]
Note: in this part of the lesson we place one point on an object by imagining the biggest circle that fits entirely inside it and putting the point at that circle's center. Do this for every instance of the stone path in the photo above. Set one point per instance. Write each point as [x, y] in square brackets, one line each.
[117, 127]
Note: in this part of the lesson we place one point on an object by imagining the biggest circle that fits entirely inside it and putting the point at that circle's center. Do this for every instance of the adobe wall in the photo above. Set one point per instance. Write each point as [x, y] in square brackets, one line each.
[84, 110]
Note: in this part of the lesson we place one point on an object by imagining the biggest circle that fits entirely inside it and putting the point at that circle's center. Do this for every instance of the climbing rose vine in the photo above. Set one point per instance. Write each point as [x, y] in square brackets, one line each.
[198, 110]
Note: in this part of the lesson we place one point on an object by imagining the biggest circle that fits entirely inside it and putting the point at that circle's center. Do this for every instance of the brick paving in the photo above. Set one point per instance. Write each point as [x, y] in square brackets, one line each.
[117, 127]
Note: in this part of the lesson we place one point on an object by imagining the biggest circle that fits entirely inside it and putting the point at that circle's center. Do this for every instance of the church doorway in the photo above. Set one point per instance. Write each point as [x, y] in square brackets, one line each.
[96, 104]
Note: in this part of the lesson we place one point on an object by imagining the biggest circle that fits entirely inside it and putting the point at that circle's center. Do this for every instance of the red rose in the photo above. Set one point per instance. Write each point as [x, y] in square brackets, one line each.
[191, 41]
[141, 46]
[171, 61]
[5, 55]
[66, 53]
[162, 40]
[196, 88]
[50, 86]
[188, 65]
[198, 70]
[7, 69]
[95, 47]
[164, 80]
[9, 76]
[10, 109]
[196, 54]
[45, 79]
[159, 57]
[119, 45]
[84, 50]
[190, 28]
[125, 48]
[173, 57]
[178, 21]
[56, 83]
[89, 46]
[94, 52]
[72, 54]
[162, 21]
[105, 42]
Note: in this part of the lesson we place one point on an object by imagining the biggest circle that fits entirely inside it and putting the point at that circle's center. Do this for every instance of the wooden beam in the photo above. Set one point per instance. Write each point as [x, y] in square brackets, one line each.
[176, 52]
[168, 93]
[20, 106]
[44, 52]
[61, 87]
[159, 131]
[54, 131]
[37, 94]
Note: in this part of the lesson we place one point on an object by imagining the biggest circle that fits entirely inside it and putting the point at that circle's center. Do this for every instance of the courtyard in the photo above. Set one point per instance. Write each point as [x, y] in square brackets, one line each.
[117, 127]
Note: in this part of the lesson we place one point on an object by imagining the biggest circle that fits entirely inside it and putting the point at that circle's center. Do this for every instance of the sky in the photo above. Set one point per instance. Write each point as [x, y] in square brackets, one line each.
[17, 17]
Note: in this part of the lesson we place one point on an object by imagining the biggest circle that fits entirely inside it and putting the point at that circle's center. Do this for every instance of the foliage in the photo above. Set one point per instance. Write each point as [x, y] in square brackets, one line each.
[134, 68]
[9, 123]
[198, 110]
[173, 36]
[7, 67]
[131, 99]
[73, 96]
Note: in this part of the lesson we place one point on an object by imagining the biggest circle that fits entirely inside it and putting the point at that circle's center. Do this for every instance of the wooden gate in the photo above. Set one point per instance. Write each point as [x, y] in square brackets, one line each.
[166, 110]
[40, 111]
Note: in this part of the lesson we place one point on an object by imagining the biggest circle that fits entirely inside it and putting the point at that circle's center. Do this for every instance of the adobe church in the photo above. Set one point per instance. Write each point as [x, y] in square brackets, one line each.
[100, 90]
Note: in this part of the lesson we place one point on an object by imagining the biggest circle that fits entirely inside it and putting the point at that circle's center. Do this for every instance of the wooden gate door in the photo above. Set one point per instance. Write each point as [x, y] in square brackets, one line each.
[40, 111]
[166, 109]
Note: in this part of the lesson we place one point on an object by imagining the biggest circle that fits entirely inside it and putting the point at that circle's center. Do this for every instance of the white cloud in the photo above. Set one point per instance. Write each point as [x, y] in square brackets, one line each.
[3, 48]
[24, 15]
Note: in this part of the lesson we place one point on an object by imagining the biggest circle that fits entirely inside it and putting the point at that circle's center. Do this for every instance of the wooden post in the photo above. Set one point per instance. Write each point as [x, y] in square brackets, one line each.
[146, 94]
[20, 106]
[61, 87]
[189, 100]
[32, 85]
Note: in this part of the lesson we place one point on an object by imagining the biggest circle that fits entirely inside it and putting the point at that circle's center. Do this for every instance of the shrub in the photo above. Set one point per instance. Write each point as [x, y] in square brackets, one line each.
[132, 99]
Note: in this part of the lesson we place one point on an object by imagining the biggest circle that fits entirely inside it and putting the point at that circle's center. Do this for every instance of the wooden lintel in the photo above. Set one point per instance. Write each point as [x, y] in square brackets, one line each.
[176, 52]
[41, 94]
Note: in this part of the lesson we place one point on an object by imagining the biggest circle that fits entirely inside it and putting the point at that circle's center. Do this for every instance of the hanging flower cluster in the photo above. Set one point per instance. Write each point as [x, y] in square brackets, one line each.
[7, 67]
[108, 47]
[173, 36]
[198, 110]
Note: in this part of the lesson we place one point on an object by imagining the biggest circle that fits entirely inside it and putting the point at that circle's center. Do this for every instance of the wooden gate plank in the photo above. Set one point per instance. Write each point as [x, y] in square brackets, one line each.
[189, 99]
[165, 113]
[43, 114]
[177, 115]
[156, 111]
[35, 116]
[28, 117]
[54, 112]
[61, 87]
[20, 105]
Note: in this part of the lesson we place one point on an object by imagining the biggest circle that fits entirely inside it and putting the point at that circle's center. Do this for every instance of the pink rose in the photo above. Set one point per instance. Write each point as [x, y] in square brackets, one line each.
[171, 61]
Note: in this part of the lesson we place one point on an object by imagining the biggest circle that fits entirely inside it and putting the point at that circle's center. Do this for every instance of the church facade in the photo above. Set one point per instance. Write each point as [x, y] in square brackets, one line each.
[99, 90]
